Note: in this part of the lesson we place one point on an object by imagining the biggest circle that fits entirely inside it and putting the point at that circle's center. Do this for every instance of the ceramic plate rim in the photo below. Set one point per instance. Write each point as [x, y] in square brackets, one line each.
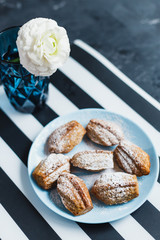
[73, 218]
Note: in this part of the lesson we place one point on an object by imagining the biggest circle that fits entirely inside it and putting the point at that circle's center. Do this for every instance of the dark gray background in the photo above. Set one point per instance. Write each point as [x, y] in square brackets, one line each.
[126, 32]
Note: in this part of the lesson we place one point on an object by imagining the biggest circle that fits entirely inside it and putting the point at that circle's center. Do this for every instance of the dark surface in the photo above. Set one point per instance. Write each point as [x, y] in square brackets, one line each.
[126, 32]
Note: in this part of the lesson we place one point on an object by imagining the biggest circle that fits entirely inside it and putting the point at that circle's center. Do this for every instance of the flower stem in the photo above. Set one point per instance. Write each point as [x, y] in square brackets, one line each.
[16, 60]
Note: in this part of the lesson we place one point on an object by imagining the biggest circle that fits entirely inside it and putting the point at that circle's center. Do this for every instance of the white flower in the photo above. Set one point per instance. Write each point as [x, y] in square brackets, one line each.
[43, 46]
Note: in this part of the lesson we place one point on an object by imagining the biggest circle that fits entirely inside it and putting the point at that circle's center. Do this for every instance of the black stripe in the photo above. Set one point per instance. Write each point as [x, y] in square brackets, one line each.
[133, 99]
[101, 231]
[80, 98]
[45, 115]
[14, 137]
[21, 210]
[149, 217]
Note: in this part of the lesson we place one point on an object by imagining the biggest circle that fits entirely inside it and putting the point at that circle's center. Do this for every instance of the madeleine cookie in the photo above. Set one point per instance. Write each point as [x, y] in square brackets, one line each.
[132, 159]
[104, 132]
[74, 194]
[116, 188]
[48, 170]
[66, 137]
[94, 160]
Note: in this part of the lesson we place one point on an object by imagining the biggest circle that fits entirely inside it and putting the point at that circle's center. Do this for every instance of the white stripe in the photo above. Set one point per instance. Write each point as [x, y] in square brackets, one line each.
[66, 229]
[21, 120]
[58, 102]
[154, 196]
[130, 229]
[105, 97]
[117, 72]
[9, 230]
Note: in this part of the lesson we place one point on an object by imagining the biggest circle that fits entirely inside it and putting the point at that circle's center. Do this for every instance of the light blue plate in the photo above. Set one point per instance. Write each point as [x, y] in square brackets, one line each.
[101, 213]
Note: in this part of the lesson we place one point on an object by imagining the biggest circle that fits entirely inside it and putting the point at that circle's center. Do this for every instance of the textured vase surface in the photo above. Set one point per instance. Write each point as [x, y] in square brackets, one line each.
[25, 91]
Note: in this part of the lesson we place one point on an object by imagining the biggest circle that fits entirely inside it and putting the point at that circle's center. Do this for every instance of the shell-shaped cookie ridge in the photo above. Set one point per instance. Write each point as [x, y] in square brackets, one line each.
[74, 194]
[132, 158]
[104, 132]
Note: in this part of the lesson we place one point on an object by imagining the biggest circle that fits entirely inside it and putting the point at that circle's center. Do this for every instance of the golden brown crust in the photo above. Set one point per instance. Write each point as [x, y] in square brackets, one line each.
[93, 160]
[74, 194]
[66, 137]
[48, 170]
[116, 188]
[132, 159]
[103, 132]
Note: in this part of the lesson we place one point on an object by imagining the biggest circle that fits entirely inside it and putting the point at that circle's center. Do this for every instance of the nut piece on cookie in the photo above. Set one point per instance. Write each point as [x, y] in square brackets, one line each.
[66, 137]
[132, 159]
[103, 132]
[94, 160]
[116, 188]
[74, 194]
[48, 170]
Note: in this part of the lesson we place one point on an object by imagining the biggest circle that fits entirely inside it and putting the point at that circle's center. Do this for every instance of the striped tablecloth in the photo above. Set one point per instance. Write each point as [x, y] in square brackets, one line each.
[88, 80]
